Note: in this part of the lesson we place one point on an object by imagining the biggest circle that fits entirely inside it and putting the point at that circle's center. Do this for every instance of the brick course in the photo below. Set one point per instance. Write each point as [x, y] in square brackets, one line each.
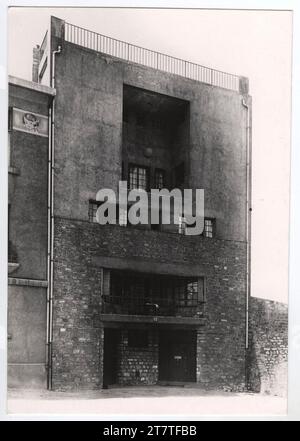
[77, 301]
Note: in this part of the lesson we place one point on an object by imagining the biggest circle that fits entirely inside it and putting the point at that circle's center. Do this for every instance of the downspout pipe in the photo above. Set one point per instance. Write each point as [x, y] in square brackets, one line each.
[248, 219]
[51, 168]
[48, 354]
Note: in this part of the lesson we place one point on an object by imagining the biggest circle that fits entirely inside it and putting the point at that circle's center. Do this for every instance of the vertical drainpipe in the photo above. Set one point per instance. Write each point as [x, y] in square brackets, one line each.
[48, 358]
[248, 219]
[50, 227]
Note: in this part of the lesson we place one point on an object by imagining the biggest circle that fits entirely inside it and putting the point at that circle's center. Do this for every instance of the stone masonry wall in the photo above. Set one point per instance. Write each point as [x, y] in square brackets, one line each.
[268, 347]
[138, 365]
[77, 339]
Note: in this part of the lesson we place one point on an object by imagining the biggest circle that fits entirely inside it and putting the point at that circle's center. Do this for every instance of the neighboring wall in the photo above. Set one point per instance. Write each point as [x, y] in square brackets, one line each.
[268, 347]
[28, 195]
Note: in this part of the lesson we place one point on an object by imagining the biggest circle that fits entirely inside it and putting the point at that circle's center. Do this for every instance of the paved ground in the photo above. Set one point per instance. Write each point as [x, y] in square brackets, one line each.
[145, 401]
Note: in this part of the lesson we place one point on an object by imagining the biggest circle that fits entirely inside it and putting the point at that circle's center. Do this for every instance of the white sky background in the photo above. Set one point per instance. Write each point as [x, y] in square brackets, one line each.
[256, 44]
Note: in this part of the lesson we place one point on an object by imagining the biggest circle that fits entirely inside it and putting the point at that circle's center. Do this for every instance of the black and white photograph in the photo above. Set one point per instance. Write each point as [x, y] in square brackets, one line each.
[148, 201]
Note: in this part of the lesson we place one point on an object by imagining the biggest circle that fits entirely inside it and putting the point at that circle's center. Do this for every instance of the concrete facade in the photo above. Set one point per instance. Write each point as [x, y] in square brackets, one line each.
[94, 141]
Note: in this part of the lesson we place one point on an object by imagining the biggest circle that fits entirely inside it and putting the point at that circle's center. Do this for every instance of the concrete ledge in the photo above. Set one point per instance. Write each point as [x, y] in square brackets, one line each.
[28, 282]
[31, 85]
[142, 265]
[151, 319]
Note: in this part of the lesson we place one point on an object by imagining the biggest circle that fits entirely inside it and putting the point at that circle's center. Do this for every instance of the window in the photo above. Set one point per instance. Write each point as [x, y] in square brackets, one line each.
[137, 338]
[43, 70]
[208, 227]
[159, 179]
[93, 207]
[188, 292]
[138, 177]
[121, 214]
[182, 225]
[137, 290]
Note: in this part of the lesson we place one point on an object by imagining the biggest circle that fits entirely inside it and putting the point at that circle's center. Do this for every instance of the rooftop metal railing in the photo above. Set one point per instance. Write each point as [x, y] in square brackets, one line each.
[146, 57]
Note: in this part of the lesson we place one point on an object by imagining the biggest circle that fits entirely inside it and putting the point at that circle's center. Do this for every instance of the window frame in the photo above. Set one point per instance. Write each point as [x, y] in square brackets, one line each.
[139, 166]
[213, 227]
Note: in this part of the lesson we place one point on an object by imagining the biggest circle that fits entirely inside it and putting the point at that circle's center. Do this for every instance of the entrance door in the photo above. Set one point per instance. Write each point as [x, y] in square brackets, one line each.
[177, 356]
[110, 364]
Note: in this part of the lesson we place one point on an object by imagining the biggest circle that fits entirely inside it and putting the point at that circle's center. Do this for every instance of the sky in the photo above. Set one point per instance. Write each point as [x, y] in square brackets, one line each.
[255, 44]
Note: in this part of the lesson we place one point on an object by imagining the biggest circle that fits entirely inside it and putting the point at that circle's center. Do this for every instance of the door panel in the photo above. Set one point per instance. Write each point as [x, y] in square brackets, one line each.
[177, 356]
[110, 364]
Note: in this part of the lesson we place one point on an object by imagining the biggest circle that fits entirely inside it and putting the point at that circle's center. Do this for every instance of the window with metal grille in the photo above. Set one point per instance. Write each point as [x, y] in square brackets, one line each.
[140, 290]
[138, 177]
[93, 207]
[121, 213]
[208, 228]
[159, 179]
[182, 225]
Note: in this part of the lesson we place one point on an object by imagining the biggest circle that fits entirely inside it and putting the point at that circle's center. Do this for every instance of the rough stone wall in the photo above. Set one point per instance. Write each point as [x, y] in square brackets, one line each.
[268, 347]
[138, 365]
[77, 298]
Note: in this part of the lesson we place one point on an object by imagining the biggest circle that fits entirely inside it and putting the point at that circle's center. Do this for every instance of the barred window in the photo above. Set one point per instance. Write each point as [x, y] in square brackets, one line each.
[121, 213]
[138, 177]
[142, 289]
[208, 228]
[93, 207]
[182, 225]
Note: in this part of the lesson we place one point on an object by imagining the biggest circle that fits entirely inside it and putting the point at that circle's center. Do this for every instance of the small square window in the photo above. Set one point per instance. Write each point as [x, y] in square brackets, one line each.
[208, 228]
[182, 225]
[138, 177]
[93, 207]
[138, 338]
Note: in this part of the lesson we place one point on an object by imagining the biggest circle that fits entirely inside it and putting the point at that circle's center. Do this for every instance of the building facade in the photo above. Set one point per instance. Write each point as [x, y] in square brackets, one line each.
[92, 305]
